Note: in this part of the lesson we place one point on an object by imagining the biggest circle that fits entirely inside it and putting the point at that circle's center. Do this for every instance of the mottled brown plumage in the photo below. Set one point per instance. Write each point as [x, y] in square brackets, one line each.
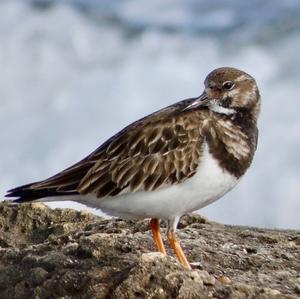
[162, 149]
[166, 148]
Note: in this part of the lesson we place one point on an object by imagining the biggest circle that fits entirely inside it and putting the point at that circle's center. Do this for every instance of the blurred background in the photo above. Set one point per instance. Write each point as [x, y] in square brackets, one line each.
[72, 73]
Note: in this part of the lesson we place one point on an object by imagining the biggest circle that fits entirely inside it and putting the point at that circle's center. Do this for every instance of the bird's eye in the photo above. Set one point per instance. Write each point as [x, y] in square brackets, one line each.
[228, 85]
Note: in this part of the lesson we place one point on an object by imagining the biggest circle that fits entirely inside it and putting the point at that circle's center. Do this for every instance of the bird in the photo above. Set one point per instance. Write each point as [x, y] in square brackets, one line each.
[174, 161]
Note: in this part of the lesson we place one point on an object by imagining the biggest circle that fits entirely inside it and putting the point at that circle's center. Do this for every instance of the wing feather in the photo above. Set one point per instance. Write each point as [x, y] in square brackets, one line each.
[156, 151]
[154, 156]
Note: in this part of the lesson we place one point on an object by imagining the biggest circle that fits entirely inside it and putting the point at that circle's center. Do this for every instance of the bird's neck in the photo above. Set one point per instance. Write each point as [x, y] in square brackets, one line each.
[245, 119]
[232, 140]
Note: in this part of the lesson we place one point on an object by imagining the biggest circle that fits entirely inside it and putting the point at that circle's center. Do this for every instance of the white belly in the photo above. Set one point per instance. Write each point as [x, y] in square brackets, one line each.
[207, 185]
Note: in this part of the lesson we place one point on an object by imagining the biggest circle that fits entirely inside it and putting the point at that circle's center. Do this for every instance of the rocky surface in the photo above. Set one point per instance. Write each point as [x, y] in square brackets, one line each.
[48, 253]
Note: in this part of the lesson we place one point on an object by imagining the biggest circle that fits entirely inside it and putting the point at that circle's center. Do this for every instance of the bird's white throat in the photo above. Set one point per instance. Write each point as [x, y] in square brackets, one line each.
[220, 109]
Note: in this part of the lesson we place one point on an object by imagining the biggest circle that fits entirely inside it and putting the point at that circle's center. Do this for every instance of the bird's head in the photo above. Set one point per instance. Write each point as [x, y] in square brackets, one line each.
[228, 91]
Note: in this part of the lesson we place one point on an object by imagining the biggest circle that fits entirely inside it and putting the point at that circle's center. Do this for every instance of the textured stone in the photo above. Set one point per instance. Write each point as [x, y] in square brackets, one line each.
[47, 253]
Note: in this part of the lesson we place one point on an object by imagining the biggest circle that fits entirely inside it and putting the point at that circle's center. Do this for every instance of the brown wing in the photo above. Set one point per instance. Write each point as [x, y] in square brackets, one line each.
[147, 157]
[163, 148]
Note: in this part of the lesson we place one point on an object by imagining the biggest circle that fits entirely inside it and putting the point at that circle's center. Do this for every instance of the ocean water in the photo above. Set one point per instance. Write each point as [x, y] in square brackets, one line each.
[72, 73]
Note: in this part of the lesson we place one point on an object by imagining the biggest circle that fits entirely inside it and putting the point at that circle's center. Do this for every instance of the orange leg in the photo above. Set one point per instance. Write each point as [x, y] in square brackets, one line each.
[154, 224]
[177, 249]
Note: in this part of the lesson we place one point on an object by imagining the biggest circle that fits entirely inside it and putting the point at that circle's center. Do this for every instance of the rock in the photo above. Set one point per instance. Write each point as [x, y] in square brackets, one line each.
[224, 280]
[47, 253]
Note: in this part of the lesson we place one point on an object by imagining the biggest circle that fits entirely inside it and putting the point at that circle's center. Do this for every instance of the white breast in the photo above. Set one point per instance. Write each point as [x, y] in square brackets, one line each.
[207, 185]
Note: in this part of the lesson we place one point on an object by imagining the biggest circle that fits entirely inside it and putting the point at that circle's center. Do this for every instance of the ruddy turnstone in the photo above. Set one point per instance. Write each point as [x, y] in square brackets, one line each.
[176, 160]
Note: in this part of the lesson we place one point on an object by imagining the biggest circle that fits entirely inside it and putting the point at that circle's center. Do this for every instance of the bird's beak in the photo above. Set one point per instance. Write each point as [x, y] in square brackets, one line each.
[201, 101]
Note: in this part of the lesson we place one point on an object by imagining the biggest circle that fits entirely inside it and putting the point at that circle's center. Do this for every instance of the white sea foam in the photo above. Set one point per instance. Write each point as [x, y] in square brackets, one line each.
[69, 79]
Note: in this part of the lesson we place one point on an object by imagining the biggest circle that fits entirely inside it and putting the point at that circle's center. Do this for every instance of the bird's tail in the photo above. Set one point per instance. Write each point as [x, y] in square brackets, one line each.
[62, 184]
[27, 193]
